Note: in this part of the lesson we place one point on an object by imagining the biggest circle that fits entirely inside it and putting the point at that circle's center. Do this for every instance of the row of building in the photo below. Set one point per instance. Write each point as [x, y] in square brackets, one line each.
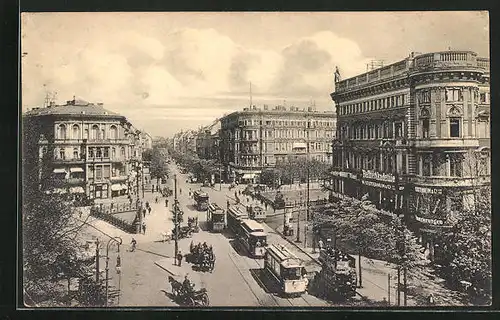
[413, 136]
[83, 150]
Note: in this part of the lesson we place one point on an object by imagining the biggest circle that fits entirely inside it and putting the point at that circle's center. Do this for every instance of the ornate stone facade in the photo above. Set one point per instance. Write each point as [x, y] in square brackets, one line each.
[424, 121]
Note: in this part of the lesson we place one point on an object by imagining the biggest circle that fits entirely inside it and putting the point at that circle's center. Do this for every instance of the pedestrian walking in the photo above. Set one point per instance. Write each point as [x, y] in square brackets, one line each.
[180, 191]
[157, 188]
[133, 243]
[320, 244]
[144, 228]
[144, 213]
[149, 210]
[156, 200]
[166, 202]
[431, 299]
[179, 258]
[152, 189]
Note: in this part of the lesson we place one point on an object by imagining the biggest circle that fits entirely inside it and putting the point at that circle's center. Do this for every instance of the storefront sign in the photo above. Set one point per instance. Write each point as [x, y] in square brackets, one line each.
[343, 174]
[428, 190]
[430, 221]
[378, 176]
[378, 185]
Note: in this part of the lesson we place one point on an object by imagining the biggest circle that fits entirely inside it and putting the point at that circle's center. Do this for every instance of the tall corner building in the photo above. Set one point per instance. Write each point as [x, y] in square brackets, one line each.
[79, 149]
[254, 139]
[414, 137]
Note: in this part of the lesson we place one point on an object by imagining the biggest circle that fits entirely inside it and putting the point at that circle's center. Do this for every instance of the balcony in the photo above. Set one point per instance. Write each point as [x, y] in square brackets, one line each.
[446, 143]
[450, 181]
[68, 160]
[75, 181]
[90, 141]
[98, 159]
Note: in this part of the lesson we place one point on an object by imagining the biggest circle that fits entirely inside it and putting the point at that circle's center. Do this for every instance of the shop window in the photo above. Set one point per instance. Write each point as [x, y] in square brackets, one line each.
[455, 127]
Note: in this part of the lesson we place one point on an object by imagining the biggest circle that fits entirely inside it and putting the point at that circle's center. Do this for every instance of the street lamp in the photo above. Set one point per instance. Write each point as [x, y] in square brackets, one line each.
[298, 218]
[119, 241]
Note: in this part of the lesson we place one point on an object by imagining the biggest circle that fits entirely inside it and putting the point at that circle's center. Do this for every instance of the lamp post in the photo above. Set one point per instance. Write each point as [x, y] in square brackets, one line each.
[119, 241]
[176, 224]
[298, 218]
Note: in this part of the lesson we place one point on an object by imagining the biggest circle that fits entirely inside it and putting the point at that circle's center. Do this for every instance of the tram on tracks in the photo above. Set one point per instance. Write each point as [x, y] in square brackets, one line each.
[288, 270]
[202, 200]
[216, 218]
[257, 213]
[249, 233]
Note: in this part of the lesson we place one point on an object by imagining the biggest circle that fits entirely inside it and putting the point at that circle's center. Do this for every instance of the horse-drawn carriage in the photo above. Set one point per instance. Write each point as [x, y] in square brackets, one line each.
[193, 224]
[201, 256]
[188, 296]
[184, 232]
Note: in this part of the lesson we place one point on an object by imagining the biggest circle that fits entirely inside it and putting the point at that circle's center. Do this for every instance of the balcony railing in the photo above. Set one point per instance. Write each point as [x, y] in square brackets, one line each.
[68, 160]
[90, 141]
[450, 181]
[119, 178]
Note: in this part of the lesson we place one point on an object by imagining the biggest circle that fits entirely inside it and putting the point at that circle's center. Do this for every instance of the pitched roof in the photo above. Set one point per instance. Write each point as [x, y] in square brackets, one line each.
[74, 107]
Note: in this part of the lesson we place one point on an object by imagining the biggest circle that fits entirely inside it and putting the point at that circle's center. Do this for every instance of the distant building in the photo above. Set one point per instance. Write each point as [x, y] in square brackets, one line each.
[79, 148]
[415, 136]
[207, 141]
[255, 139]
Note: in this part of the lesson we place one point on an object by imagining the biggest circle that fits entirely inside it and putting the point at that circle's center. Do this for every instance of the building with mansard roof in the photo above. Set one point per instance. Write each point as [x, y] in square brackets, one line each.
[414, 136]
[80, 149]
[255, 139]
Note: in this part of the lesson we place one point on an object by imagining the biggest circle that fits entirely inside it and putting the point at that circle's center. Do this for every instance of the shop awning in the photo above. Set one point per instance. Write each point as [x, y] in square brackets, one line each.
[59, 170]
[299, 145]
[76, 190]
[248, 176]
[60, 191]
[75, 170]
[116, 187]
[124, 186]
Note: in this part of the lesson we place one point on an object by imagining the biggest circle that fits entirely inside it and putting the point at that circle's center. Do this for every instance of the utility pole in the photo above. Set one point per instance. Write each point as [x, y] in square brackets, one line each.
[176, 225]
[389, 289]
[97, 261]
[119, 241]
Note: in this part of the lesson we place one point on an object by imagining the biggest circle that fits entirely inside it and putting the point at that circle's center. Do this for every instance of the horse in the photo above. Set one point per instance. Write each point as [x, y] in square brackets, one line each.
[176, 286]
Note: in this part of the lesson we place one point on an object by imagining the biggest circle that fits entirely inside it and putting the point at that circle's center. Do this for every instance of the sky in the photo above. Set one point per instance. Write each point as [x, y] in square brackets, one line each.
[168, 72]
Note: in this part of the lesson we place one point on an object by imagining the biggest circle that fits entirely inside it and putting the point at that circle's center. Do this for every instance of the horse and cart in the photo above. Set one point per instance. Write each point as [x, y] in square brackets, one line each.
[193, 224]
[184, 293]
[201, 256]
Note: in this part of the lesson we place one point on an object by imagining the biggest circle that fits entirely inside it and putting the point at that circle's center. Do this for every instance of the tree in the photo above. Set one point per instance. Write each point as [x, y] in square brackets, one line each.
[358, 228]
[50, 246]
[158, 164]
[467, 250]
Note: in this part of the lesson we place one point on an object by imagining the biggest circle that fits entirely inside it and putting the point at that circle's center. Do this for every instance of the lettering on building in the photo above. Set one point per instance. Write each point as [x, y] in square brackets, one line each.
[428, 190]
[429, 221]
[378, 176]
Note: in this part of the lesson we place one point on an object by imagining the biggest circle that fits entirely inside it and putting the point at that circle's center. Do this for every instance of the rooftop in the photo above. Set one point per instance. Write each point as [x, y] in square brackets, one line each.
[73, 107]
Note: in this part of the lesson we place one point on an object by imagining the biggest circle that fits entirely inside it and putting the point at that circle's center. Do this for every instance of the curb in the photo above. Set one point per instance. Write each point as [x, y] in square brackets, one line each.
[163, 268]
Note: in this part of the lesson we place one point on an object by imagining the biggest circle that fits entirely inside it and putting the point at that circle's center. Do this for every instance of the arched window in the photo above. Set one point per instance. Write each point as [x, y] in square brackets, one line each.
[103, 134]
[95, 132]
[56, 153]
[62, 154]
[86, 134]
[76, 132]
[75, 153]
[61, 134]
[122, 151]
[113, 133]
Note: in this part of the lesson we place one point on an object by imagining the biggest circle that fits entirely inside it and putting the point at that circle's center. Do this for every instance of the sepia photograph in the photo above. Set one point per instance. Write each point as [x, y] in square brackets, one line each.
[255, 159]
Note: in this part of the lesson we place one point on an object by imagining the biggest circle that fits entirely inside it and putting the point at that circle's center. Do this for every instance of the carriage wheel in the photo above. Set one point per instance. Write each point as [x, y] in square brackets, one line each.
[204, 299]
[191, 302]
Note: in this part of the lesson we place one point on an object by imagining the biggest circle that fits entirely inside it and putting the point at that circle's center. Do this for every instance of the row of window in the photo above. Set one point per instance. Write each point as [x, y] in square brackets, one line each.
[454, 128]
[377, 104]
[380, 162]
[102, 172]
[386, 130]
[95, 132]
[286, 123]
[93, 152]
[290, 133]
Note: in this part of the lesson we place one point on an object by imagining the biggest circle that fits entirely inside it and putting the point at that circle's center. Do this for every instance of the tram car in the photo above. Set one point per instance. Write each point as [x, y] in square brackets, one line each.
[216, 218]
[337, 278]
[249, 233]
[253, 238]
[288, 270]
[202, 200]
[234, 218]
[257, 213]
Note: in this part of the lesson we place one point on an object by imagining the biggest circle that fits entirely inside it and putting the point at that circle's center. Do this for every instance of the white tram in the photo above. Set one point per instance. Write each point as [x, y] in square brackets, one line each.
[286, 269]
